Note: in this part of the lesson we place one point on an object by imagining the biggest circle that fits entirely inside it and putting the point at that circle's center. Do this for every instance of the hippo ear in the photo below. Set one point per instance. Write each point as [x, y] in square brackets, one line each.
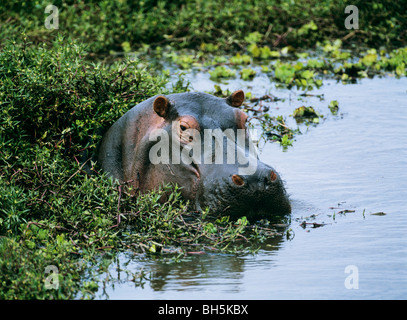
[161, 106]
[236, 98]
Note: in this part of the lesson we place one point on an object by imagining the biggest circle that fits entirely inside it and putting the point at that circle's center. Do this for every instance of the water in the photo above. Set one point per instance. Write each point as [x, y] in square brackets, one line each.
[355, 161]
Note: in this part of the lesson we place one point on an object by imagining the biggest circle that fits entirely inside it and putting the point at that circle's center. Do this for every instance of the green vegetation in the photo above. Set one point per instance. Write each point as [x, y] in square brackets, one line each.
[221, 72]
[247, 74]
[60, 89]
[306, 114]
[127, 25]
[334, 107]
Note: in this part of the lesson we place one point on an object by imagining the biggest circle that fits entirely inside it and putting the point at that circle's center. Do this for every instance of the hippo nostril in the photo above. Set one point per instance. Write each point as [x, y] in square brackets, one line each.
[237, 180]
[273, 176]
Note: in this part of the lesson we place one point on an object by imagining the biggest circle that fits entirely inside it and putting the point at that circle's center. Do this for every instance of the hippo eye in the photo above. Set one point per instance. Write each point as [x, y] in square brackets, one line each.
[183, 128]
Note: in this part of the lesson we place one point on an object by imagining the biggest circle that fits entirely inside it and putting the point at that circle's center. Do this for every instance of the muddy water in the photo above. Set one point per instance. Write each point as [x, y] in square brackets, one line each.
[355, 161]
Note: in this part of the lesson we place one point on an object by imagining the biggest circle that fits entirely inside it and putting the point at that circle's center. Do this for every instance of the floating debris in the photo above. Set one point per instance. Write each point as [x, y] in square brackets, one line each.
[346, 211]
[378, 214]
[304, 224]
[334, 107]
[303, 113]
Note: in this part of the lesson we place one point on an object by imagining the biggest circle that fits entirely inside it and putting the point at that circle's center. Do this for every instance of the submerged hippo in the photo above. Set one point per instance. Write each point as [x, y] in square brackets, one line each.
[199, 142]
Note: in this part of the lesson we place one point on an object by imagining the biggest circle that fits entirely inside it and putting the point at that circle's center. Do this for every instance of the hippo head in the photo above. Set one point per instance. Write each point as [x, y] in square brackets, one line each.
[201, 143]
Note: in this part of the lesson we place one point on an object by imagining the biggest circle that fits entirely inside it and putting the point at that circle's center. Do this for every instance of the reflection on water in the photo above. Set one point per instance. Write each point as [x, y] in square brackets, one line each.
[213, 274]
[356, 161]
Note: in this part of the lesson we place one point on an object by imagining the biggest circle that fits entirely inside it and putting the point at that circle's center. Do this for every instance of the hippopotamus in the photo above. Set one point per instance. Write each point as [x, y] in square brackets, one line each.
[199, 142]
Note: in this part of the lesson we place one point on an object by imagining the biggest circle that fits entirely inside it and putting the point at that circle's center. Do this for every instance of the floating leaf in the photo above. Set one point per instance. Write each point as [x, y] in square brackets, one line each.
[284, 72]
[307, 74]
[333, 106]
[240, 59]
[247, 74]
[266, 53]
[221, 72]
[254, 50]
[306, 113]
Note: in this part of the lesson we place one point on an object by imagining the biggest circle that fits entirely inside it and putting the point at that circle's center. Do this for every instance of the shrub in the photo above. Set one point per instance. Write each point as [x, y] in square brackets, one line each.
[54, 104]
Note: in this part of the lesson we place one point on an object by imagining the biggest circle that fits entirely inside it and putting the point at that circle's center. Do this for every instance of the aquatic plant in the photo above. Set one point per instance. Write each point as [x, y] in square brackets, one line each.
[221, 72]
[247, 73]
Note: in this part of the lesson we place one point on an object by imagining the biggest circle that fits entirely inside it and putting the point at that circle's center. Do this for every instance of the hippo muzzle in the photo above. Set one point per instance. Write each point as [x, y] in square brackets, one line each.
[199, 142]
[260, 194]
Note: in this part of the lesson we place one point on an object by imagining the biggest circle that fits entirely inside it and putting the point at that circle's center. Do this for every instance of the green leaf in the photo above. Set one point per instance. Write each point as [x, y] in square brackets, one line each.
[247, 74]
[307, 74]
[333, 106]
[254, 50]
[253, 37]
